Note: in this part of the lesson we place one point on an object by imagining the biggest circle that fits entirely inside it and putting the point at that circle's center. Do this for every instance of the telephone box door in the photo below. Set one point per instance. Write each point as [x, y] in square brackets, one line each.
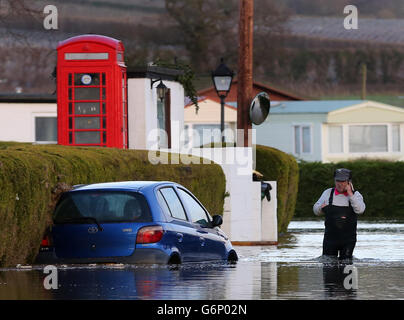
[88, 105]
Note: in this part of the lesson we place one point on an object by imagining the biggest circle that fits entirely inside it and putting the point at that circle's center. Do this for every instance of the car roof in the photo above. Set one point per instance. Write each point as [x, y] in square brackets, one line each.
[122, 185]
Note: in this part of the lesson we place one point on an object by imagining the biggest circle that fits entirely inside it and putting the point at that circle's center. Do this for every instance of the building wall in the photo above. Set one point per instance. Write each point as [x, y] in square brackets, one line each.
[139, 94]
[390, 154]
[142, 112]
[369, 112]
[177, 111]
[209, 112]
[17, 120]
[278, 132]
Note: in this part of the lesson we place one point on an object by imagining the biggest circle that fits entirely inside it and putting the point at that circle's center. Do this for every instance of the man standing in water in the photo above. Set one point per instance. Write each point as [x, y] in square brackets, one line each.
[340, 205]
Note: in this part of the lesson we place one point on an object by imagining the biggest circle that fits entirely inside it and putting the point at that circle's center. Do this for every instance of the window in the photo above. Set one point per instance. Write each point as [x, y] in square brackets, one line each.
[186, 134]
[46, 129]
[368, 138]
[163, 203]
[197, 213]
[104, 206]
[302, 139]
[87, 110]
[335, 139]
[173, 203]
[161, 119]
[396, 137]
[164, 120]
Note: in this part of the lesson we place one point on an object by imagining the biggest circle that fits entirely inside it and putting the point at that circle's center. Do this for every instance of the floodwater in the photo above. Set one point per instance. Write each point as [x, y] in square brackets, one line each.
[292, 270]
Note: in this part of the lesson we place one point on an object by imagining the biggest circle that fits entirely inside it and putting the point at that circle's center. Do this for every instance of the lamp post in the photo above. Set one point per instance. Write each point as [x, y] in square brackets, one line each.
[222, 78]
[161, 89]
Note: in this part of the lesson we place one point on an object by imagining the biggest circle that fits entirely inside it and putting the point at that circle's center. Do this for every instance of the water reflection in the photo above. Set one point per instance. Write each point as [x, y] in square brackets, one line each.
[292, 270]
[339, 281]
[246, 280]
[21, 285]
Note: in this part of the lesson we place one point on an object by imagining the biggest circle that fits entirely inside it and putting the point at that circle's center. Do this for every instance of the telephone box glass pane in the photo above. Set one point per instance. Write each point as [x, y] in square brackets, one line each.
[87, 137]
[87, 93]
[87, 79]
[87, 56]
[87, 123]
[87, 108]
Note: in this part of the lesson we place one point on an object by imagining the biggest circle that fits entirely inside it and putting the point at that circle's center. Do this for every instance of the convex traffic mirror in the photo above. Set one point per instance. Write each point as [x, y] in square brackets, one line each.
[259, 109]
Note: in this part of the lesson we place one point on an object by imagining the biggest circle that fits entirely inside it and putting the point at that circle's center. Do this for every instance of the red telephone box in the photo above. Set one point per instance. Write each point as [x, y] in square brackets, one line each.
[91, 92]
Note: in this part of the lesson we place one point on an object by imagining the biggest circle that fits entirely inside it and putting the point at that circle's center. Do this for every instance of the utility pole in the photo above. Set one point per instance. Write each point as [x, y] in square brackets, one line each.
[245, 72]
[364, 76]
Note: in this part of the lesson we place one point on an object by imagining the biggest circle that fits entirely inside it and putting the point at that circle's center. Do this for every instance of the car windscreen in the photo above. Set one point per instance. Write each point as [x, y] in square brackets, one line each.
[103, 206]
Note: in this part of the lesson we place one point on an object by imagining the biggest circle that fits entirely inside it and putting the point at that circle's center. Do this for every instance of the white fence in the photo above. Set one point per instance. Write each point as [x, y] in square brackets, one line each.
[247, 219]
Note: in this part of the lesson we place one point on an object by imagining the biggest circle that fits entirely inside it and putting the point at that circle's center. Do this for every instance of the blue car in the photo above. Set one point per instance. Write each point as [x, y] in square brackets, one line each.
[133, 222]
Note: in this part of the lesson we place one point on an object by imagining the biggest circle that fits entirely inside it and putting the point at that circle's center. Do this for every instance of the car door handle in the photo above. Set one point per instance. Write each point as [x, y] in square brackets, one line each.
[201, 231]
[180, 237]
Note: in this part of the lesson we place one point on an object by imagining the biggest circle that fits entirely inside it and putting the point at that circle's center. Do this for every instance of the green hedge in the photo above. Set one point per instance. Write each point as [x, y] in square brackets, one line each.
[277, 165]
[380, 182]
[32, 177]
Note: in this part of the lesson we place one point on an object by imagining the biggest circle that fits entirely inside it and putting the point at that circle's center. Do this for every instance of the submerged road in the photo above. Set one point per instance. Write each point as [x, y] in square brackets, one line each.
[292, 270]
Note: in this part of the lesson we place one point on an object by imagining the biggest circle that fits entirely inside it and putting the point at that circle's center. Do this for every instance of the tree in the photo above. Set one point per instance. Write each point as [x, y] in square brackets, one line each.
[269, 31]
[18, 13]
[201, 24]
[209, 30]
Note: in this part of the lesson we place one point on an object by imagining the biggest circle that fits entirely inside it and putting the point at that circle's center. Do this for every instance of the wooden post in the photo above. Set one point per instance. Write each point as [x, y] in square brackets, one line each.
[245, 72]
[364, 76]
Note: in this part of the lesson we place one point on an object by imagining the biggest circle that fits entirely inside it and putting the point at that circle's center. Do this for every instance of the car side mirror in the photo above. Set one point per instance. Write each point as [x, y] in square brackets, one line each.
[217, 220]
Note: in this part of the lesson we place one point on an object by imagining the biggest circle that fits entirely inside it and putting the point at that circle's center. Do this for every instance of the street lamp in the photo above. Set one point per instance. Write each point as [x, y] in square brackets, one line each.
[161, 89]
[222, 78]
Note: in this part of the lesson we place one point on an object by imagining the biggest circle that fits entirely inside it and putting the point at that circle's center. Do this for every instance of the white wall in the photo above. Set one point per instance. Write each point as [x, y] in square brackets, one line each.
[142, 111]
[269, 219]
[17, 120]
[277, 132]
[246, 218]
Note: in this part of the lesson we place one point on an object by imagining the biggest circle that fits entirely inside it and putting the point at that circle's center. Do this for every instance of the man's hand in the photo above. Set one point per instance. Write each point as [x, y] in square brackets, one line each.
[349, 189]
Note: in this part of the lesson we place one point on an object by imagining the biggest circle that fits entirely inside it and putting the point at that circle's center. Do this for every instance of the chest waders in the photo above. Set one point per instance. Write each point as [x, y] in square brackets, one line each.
[340, 230]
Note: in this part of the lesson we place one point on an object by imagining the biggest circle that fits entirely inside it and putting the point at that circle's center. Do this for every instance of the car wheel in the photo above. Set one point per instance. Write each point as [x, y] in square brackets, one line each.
[174, 259]
[232, 257]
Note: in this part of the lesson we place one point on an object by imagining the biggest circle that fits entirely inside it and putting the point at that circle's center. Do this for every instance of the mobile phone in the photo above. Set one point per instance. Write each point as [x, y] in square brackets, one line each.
[352, 188]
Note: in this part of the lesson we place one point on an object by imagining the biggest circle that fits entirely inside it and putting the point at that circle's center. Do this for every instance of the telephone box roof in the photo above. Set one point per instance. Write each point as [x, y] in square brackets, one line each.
[108, 41]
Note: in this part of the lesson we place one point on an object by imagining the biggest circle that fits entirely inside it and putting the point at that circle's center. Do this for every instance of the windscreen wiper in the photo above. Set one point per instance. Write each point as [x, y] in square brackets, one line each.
[84, 219]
